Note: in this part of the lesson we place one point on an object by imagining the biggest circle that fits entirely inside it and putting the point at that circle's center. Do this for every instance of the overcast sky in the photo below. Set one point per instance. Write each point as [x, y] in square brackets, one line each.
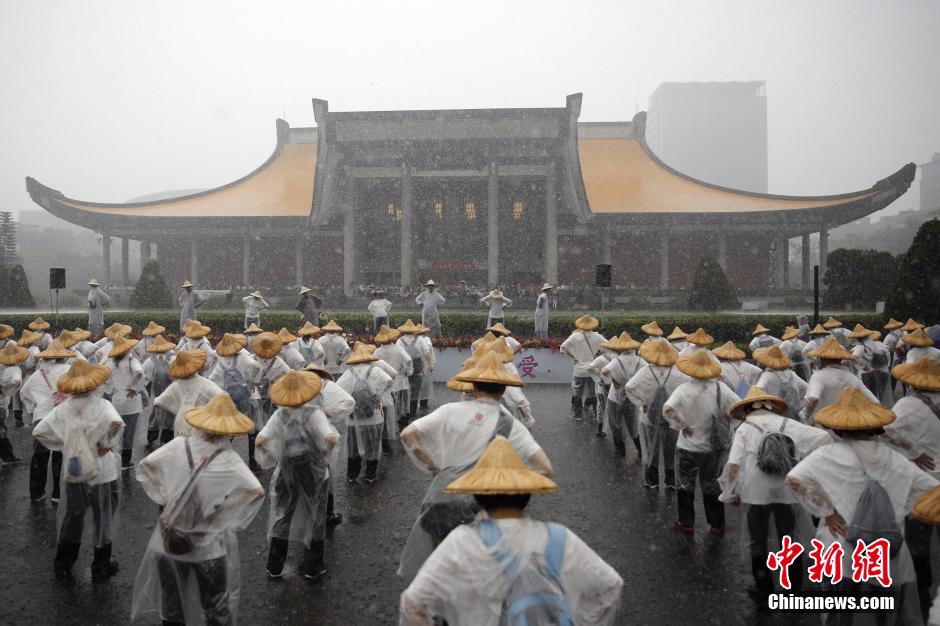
[108, 100]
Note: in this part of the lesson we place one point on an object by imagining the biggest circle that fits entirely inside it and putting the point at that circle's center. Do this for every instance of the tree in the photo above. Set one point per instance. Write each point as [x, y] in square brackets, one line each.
[4, 286]
[151, 291]
[8, 250]
[858, 278]
[711, 288]
[18, 290]
[916, 292]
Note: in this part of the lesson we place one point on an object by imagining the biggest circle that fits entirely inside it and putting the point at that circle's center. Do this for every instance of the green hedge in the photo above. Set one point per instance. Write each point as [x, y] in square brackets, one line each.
[723, 327]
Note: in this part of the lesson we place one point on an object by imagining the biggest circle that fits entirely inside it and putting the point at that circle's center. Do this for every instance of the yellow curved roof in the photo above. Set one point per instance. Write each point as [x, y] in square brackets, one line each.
[620, 177]
[282, 188]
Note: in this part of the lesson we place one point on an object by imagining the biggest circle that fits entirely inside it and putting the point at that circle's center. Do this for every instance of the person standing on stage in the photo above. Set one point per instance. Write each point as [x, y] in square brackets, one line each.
[379, 308]
[254, 303]
[541, 312]
[309, 305]
[189, 301]
[97, 301]
[497, 302]
[429, 299]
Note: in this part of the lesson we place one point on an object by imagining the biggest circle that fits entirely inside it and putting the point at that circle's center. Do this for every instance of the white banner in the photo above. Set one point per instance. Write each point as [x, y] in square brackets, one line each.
[538, 365]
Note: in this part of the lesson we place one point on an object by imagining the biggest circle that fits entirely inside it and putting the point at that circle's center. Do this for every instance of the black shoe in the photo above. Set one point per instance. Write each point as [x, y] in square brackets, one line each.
[277, 554]
[62, 573]
[126, 462]
[600, 434]
[313, 566]
[334, 519]
[386, 446]
[103, 573]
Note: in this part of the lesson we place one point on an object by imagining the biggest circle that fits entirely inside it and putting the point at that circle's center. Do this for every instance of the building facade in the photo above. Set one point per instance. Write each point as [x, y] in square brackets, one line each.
[930, 184]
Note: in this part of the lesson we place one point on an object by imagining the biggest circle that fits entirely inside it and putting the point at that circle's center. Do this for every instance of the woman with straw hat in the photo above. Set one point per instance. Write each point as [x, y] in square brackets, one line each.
[299, 440]
[267, 349]
[496, 301]
[778, 379]
[414, 341]
[11, 378]
[762, 338]
[254, 303]
[830, 379]
[98, 300]
[85, 428]
[430, 299]
[541, 311]
[447, 442]
[839, 483]
[335, 348]
[28, 341]
[678, 339]
[379, 308]
[818, 337]
[514, 399]
[582, 346]
[309, 305]
[190, 571]
[308, 345]
[473, 559]
[792, 347]
[872, 363]
[189, 301]
[40, 327]
[125, 387]
[157, 378]
[737, 373]
[189, 389]
[400, 361]
[622, 414]
[918, 346]
[196, 337]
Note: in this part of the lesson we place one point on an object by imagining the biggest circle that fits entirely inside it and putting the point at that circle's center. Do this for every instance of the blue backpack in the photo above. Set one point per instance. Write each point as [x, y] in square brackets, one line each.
[534, 594]
[236, 386]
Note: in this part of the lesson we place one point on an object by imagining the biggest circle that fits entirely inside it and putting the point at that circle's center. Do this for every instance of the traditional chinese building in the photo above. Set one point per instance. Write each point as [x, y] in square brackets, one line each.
[490, 196]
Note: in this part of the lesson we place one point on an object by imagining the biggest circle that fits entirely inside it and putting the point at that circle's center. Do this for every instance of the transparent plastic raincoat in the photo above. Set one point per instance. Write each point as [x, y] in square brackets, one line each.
[785, 384]
[184, 394]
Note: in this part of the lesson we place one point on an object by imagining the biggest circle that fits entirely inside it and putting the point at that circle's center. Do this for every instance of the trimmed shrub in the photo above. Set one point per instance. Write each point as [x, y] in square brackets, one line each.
[711, 288]
[151, 291]
[916, 292]
[858, 278]
[18, 291]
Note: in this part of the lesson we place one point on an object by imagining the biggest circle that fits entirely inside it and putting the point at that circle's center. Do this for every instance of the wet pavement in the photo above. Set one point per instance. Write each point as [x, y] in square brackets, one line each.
[669, 578]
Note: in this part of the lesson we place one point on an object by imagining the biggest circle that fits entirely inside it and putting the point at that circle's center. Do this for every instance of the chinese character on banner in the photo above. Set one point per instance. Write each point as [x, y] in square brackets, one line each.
[872, 561]
[527, 365]
[789, 552]
[826, 563]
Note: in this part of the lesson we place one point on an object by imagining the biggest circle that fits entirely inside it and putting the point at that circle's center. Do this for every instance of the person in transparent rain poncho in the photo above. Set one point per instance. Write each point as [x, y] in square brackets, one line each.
[422, 365]
[779, 379]
[541, 311]
[189, 389]
[430, 299]
[396, 403]
[125, 388]
[601, 386]
[267, 348]
[448, 441]
[197, 338]
[290, 352]
[254, 303]
[830, 379]
[98, 300]
[84, 429]
[308, 345]
[514, 399]
[622, 414]
[737, 373]
[496, 302]
[857, 484]
[298, 442]
[41, 327]
[919, 345]
[926, 511]
[335, 348]
[505, 567]
[817, 337]
[366, 381]
[582, 346]
[105, 343]
[157, 378]
[27, 341]
[495, 332]
[873, 363]
[754, 476]
[238, 374]
[762, 339]
[648, 389]
[792, 347]
[11, 355]
[678, 339]
[189, 301]
[838, 332]
[379, 307]
[190, 572]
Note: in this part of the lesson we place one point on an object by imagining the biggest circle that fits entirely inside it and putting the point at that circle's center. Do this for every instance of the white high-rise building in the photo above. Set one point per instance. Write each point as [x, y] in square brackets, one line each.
[930, 184]
[716, 132]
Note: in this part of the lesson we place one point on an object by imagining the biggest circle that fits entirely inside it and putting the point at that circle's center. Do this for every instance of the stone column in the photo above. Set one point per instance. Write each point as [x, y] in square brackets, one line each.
[806, 269]
[193, 261]
[823, 252]
[492, 226]
[664, 261]
[722, 250]
[606, 255]
[299, 261]
[780, 244]
[146, 251]
[106, 258]
[246, 260]
[349, 242]
[125, 261]
[407, 215]
[786, 262]
[551, 228]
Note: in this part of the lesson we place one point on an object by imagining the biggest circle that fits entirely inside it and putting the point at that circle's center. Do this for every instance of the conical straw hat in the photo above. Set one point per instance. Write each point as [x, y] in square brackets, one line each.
[490, 369]
[421, 329]
[187, 363]
[295, 389]
[81, 333]
[659, 352]
[82, 377]
[500, 348]
[455, 385]
[760, 330]
[152, 329]
[924, 374]
[499, 328]
[121, 346]
[729, 352]
[160, 345]
[819, 330]
[676, 334]
[231, 344]
[55, 351]
[700, 338]
[28, 338]
[699, 365]
[918, 338]
[489, 337]
[308, 329]
[267, 345]
[319, 371]
[117, 330]
[197, 330]
[875, 335]
[772, 358]
[386, 335]
[189, 324]
[304, 290]
[186, 284]
[360, 354]
[832, 350]
[408, 328]
[430, 283]
[546, 287]
[911, 325]
[67, 338]
[256, 294]
[860, 332]
[831, 323]
[652, 329]
[586, 322]
[621, 343]
[286, 336]
[927, 507]
[500, 471]
[12, 354]
[92, 283]
[755, 395]
[892, 324]
[496, 294]
[6, 331]
[791, 332]
[38, 324]
[853, 411]
[253, 329]
[220, 416]
[332, 327]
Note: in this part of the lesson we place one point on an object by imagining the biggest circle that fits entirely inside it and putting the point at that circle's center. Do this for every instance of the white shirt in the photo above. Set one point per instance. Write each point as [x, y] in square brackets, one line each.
[916, 353]
[11, 377]
[38, 391]
[337, 404]
[250, 369]
[582, 346]
[379, 308]
[184, 394]
[827, 384]
[916, 428]
[311, 350]
[692, 405]
[733, 372]
[763, 341]
[126, 375]
[335, 351]
[496, 305]
[378, 381]
[291, 355]
[619, 372]
[643, 385]
[254, 306]
[395, 355]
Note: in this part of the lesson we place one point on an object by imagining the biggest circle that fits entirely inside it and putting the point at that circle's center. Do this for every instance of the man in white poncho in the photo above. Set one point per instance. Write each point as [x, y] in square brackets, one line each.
[792, 347]
[430, 299]
[157, 378]
[189, 389]
[762, 338]
[918, 346]
[396, 356]
[98, 300]
[379, 307]
[308, 345]
[238, 375]
[622, 414]
[11, 355]
[737, 373]
[505, 563]
[335, 348]
[541, 312]
[189, 301]
[831, 379]
[125, 388]
[254, 303]
[190, 572]
[496, 302]
[872, 363]
[422, 365]
[582, 346]
[778, 379]
[818, 337]
[197, 338]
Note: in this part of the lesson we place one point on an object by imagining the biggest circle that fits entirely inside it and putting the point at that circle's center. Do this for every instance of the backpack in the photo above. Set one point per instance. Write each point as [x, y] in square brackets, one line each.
[160, 378]
[236, 386]
[720, 436]
[765, 342]
[263, 383]
[655, 407]
[879, 360]
[534, 594]
[417, 362]
[923, 398]
[742, 387]
[81, 462]
[362, 394]
[874, 516]
[181, 517]
[776, 454]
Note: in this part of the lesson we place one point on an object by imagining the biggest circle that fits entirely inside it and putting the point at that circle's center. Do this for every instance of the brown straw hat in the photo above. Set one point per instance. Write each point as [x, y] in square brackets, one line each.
[6, 331]
[791, 332]
[546, 287]
[409, 328]
[319, 371]
[267, 345]
[699, 365]
[186, 284]
[831, 323]
[231, 344]
[659, 352]
[253, 329]
[621, 343]
[729, 352]
[197, 330]
[360, 354]
[757, 395]
[819, 330]
[501, 349]
[911, 325]
[121, 346]
[832, 350]
[304, 290]
[82, 377]
[917, 338]
[455, 385]
[38, 324]
[160, 345]
[286, 336]
[860, 332]
[760, 330]
[496, 294]
[55, 351]
[220, 416]
[875, 335]
[500, 471]
[652, 329]
[295, 389]
[28, 338]
[772, 358]
[67, 338]
[489, 369]
[117, 330]
[927, 507]
[152, 329]
[331, 327]
[12, 354]
[892, 324]
[586, 323]
[677, 334]
[81, 333]
[853, 411]
[307, 329]
[256, 294]
[187, 363]
[924, 374]
[499, 329]
[700, 338]
[386, 335]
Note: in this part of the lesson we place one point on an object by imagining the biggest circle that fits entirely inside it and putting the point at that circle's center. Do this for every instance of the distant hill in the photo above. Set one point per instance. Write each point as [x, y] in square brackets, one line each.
[892, 233]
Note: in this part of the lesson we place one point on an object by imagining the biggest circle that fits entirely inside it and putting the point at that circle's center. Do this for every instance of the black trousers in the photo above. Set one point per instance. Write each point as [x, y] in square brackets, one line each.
[301, 478]
[582, 387]
[758, 527]
[918, 536]
[378, 323]
[491, 321]
[39, 470]
[705, 466]
[212, 581]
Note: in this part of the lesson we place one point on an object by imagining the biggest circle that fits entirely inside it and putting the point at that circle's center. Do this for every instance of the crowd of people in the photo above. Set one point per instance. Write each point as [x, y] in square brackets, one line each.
[824, 438]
